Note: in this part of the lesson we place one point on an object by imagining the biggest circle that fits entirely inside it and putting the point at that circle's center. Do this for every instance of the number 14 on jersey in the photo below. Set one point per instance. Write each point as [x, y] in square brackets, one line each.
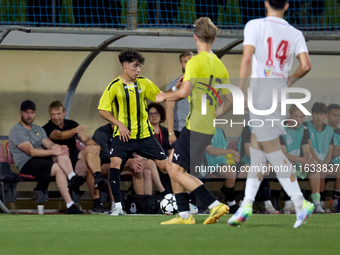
[280, 54]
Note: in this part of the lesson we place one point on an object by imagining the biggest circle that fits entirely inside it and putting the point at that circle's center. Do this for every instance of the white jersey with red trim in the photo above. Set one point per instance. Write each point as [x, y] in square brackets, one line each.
[276, 43]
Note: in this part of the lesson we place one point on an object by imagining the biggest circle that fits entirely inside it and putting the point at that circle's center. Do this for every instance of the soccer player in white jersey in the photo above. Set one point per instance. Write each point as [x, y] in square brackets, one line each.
[269, 47]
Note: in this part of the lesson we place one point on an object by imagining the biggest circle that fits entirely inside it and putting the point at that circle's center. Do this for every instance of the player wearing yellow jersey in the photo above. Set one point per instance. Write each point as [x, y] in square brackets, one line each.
[201, 74]
[126, 96]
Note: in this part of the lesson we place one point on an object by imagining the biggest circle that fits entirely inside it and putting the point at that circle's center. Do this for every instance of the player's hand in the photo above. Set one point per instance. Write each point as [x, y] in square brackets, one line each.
[246, 104]
[179, 82]
[160, 97]
[172, 138]
[236, 156]
[124, 133]
[60, 150]
[80, 129]
[137, 164]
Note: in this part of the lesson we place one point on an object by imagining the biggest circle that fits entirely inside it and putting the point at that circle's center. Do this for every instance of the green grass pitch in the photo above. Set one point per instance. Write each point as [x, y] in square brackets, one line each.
[101, 234]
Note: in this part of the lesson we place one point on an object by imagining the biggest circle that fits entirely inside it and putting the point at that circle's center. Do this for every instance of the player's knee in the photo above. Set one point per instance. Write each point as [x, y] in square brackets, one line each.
[115, 162]
[147, 174]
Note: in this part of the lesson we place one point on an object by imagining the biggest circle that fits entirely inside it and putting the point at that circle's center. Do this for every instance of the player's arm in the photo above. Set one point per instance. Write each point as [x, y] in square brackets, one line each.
[225, 107]
[336, 151]
[182, 92]
[245, 69]
[124, 133]
[169, 113]
[31, 151]
[213, 151]
[315, 156]
[86, 139]
[329, 155]
[302, 70]
[65, 135]
[247, 149]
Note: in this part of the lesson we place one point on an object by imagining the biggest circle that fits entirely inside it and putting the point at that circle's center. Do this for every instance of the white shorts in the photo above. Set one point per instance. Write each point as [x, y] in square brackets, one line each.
[266, 127]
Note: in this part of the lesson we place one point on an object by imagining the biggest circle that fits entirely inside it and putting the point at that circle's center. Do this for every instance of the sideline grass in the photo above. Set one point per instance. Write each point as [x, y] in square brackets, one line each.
[101, 234]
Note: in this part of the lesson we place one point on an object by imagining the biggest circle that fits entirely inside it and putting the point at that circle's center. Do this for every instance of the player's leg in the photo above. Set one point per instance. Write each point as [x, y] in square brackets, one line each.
[90, 154]
[182, 198]
[288, 180]
[62, 183]
[114, 180]
[82, 170]
[336, 192]
[65, 165]
[253, 182]
[138, 181]
[105, 169]
[151, 165]
[228, 188]
[314, 183]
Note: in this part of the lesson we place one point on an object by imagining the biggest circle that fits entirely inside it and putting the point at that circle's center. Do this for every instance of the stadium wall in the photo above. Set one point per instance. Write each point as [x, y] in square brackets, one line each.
[44, 76]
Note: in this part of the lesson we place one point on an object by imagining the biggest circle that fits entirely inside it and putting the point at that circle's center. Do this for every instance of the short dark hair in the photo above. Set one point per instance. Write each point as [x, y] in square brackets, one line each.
[185, 54]
[160, 109]
[319, 107]
[333, 107]
[56, 105]
[277, 4]
[130, 56]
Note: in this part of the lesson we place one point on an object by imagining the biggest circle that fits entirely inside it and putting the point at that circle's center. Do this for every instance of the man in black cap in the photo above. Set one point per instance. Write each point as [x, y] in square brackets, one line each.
[27, 143]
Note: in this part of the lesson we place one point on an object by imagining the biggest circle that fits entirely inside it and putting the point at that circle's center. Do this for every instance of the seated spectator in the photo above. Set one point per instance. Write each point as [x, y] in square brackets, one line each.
[136, 165]
[322, 141]
[333, 117]
[216, 154]
[86, 162]
[27, 143]
[156, 117]
[295, 145]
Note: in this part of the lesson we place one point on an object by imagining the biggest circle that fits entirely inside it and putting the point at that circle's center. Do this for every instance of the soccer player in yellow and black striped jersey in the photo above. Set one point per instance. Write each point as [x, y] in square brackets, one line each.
[202, 72]
[126, 97]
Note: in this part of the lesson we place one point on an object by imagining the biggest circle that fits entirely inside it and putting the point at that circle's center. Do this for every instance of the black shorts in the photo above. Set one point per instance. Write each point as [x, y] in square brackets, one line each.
[38, 167]
[147, 147]
[189, 149]
[74, 157]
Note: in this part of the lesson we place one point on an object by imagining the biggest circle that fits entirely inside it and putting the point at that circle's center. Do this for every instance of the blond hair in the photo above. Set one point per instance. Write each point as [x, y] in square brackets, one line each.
[205, 30]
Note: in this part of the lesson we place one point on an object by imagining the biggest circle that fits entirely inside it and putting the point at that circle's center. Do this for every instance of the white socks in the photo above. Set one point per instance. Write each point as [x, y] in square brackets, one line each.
[214, 204]
[70, 175]
[286, 176]
[231, 203]
[185, 215]
[253, 183]
[68, 205]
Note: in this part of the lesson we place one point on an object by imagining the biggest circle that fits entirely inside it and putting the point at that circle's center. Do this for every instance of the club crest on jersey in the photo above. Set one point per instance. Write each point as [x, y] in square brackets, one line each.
[37, 133]
[267, 72]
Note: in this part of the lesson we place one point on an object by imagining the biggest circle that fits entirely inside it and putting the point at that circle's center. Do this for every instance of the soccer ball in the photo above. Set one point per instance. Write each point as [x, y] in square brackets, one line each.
[168, 204]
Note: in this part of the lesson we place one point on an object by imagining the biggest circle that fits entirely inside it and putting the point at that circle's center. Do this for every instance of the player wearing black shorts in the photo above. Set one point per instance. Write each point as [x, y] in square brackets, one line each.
[202, 72]
[127, 95]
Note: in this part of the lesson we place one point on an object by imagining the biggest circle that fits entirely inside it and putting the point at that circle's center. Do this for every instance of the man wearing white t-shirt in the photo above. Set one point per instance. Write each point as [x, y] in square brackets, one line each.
[270, 45]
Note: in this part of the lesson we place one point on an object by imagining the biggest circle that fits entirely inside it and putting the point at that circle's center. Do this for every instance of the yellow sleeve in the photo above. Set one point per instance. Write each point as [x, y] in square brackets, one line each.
[151, 90]
[226, 81]
[107, 98]
[190, 71]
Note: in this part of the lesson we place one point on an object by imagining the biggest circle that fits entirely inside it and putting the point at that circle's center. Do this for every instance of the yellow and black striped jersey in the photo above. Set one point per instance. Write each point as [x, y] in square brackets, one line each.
[128, 102]
[204, 71]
